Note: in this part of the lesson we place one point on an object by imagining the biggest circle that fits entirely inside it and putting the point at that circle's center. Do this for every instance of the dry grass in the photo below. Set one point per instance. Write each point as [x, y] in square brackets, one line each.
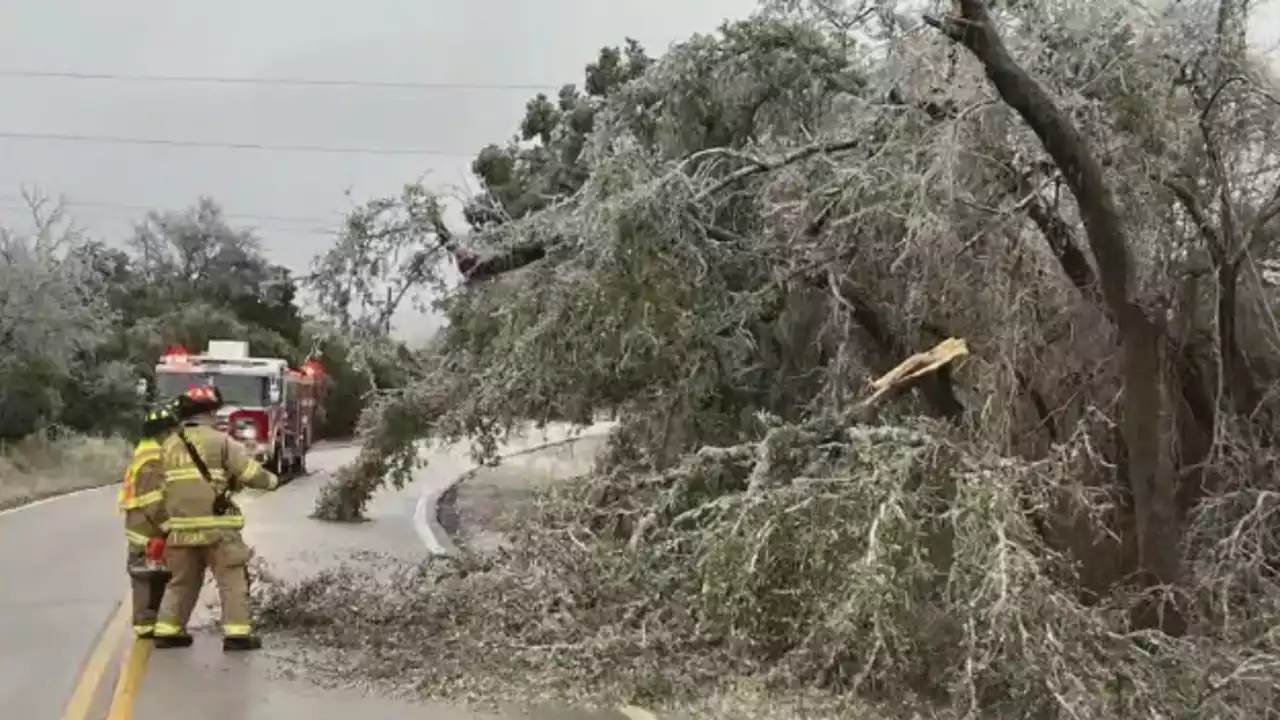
[38, 467]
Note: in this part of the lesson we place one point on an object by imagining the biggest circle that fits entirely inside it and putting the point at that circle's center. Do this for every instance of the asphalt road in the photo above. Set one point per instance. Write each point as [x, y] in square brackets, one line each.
[65, 646]
[67, 651]
[61, 578]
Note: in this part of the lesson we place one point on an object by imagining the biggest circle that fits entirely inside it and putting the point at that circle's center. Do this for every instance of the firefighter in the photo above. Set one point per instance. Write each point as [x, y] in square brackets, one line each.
[202, 469]
[141, 500]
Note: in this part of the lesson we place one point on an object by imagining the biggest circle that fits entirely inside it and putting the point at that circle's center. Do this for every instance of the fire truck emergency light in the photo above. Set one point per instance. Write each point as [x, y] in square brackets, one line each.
[175, 355]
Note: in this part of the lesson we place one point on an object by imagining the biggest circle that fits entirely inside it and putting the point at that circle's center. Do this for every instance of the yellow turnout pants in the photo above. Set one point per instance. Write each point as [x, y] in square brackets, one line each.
[228, 559]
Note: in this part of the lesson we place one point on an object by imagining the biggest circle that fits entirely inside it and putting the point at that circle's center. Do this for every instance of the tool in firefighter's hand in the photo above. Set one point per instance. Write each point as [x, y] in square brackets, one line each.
[150, 564]
[145, 568]
[222, 501]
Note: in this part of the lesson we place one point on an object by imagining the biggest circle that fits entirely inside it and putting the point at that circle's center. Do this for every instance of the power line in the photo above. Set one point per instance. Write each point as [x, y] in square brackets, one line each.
[117, 140]
[278, 81]
[71, 200]
[314, 224]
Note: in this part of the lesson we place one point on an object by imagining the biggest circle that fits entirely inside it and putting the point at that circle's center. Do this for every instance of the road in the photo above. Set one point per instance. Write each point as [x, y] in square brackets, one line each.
[62, 570]
[65, 648]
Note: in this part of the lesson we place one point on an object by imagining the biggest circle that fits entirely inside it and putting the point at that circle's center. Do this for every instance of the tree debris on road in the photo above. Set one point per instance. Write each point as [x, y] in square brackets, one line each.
[869, 561]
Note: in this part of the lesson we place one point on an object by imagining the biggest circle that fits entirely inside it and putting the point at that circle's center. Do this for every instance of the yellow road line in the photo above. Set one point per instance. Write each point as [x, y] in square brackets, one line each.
[131, 673]
[635, 713]
[96, 668]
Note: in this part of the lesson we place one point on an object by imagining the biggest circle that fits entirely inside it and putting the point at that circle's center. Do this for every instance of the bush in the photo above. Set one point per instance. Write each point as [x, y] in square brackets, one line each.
[45, 465]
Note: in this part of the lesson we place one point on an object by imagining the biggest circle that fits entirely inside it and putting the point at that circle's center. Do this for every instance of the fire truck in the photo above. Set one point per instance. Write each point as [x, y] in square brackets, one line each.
[269, 406]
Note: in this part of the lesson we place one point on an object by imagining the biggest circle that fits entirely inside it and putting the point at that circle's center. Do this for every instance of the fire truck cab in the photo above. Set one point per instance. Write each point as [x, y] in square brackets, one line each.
[269, 406]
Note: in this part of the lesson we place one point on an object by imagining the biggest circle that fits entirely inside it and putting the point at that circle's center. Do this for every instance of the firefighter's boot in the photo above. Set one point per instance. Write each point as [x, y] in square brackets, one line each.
[241, 643]
[181, 640]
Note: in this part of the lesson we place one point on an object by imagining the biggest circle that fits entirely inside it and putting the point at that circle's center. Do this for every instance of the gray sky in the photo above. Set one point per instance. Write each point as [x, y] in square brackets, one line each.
[479, 41]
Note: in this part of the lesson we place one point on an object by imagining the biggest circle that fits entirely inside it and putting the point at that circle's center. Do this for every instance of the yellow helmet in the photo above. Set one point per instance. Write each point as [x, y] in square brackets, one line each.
[158, 421]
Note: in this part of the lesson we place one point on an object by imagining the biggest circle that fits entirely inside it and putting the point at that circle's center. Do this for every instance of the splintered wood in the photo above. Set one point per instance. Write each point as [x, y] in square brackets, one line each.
[916, 366]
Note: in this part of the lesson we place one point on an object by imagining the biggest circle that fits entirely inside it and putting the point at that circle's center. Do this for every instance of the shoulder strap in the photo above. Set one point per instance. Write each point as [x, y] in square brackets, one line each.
[195, 457]
[222, 501]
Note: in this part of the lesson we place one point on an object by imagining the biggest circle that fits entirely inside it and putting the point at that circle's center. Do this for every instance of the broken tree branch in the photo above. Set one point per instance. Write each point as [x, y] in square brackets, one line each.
[917, 366]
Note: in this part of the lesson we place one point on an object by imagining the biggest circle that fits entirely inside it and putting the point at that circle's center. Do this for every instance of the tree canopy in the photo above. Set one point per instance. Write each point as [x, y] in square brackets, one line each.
[81, 319]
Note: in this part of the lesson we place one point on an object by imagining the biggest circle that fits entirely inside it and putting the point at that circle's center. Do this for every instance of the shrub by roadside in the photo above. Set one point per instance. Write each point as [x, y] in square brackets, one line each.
[38, 467]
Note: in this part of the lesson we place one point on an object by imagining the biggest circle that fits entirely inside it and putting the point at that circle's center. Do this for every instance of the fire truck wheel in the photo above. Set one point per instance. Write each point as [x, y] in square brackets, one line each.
[275, 467]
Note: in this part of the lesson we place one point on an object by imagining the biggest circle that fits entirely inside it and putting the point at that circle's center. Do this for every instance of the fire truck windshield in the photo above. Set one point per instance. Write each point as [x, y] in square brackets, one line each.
[242, 390]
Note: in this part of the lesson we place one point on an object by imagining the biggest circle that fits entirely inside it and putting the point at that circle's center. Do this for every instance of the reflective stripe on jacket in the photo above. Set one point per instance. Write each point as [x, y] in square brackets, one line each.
[189, 498]
[141, 496]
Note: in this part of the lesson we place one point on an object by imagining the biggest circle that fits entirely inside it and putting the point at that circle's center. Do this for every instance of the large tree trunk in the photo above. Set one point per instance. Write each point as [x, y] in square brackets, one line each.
[1151, 481]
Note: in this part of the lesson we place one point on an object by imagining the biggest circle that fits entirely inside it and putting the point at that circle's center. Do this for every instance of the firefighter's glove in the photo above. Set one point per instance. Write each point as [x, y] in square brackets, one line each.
[155, 550]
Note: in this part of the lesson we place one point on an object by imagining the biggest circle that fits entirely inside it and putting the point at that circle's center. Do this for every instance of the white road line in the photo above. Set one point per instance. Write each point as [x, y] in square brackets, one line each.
[423, 525]
[55, 498]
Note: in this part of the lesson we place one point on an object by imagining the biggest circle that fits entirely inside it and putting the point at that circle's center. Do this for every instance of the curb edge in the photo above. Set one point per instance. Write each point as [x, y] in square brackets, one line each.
[426, 515]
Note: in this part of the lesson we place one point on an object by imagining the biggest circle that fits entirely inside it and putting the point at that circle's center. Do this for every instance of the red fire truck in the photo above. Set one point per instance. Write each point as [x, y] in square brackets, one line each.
[269, 407]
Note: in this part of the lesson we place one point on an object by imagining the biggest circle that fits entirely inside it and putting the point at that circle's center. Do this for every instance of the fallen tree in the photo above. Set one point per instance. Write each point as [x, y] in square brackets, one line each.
[892, 568]
[766, 217]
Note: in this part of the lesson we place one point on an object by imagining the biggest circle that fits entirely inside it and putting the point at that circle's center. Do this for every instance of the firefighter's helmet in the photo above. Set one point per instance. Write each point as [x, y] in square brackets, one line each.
[159, 420]
[197, 400]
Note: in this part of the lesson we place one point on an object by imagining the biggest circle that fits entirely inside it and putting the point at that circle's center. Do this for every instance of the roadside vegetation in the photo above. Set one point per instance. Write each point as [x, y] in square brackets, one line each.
[82, 319]
[39, 466]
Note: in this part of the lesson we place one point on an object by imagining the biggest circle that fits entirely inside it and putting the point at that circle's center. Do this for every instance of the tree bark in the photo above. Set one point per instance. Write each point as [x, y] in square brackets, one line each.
[475, 269]
[1059, 236]
[1152, 484]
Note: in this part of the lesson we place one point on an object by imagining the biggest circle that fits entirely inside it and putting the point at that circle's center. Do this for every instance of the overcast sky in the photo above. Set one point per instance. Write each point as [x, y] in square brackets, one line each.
[478, 41]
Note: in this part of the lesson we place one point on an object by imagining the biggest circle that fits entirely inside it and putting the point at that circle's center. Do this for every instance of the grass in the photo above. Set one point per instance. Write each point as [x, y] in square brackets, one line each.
[38, 467]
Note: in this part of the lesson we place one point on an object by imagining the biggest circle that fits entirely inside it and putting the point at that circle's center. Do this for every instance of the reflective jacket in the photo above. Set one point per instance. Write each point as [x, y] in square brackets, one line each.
[141, 497]
[189, 499]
